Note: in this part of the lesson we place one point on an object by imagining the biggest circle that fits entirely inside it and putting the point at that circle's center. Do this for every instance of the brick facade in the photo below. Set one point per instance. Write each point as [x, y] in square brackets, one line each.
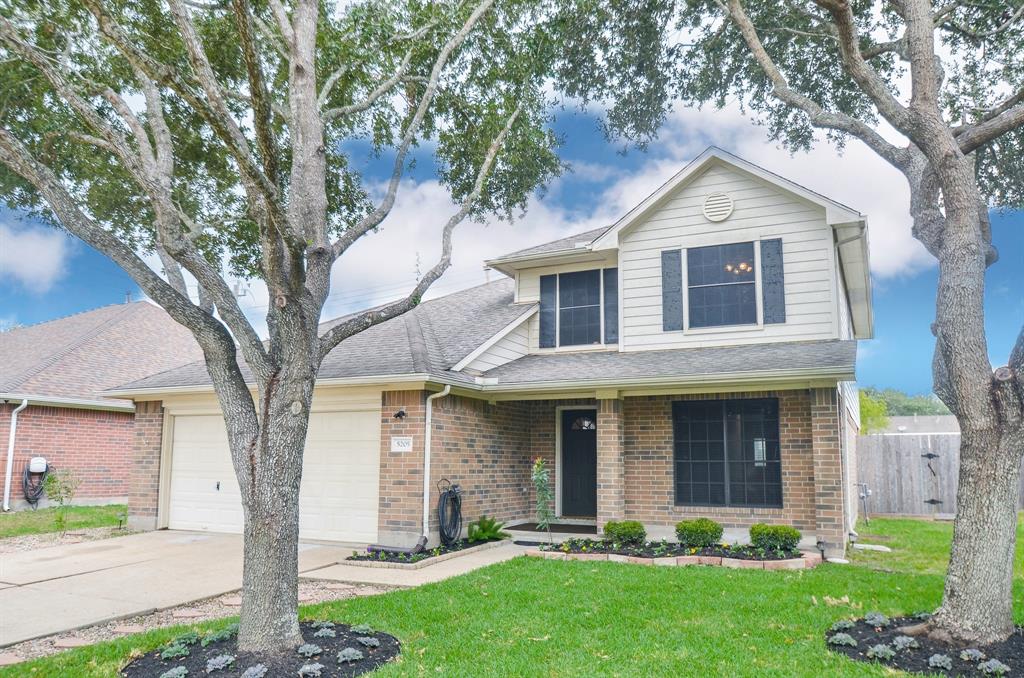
[400, 508]
[611, 480]
[144, 497]
[94, 444]
[828, 470]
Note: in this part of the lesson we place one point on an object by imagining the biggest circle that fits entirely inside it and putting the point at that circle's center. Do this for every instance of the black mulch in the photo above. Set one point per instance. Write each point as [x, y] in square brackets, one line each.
[565, 528]
[152, 666]
[916, 660]
[665, 549]
[409, 558]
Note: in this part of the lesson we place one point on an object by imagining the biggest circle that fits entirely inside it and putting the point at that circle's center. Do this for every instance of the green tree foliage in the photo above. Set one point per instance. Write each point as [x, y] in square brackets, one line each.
[873, 413]
[900, 404]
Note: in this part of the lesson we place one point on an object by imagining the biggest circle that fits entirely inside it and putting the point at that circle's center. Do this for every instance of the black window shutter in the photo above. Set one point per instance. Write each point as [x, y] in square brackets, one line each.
[548, 285]
[773, 293]
[611, 305]
[672, 290]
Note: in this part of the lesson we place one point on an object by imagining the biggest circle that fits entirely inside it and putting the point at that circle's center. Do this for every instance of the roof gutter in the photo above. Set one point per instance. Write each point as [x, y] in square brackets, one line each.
[10, 452]
[74, 403]
[426, 456]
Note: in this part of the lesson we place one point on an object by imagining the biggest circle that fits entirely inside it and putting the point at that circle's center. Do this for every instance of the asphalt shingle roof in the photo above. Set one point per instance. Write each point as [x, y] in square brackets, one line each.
[682, 363]
[82, 355]
[567, 243]
[431, 338]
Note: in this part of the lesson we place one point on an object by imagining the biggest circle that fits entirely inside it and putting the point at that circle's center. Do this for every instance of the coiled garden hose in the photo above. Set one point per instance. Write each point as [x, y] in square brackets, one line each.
[449, 511]
[34, 484]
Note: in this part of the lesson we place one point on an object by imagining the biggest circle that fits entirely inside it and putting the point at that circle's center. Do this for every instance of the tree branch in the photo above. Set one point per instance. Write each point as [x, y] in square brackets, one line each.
[373, 96]
[364, 321]
[973, 137]
[373, 219]
[818, 116]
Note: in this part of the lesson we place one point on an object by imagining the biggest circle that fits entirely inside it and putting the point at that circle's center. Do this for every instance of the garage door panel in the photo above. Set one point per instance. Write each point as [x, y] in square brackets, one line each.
[340, 478]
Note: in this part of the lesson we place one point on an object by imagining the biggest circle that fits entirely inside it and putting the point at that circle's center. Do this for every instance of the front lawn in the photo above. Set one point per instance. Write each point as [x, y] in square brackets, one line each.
[531, 617]
[20, 523]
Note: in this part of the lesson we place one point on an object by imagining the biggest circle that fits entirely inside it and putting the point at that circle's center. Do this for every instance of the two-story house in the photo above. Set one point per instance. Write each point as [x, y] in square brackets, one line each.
[695, 358]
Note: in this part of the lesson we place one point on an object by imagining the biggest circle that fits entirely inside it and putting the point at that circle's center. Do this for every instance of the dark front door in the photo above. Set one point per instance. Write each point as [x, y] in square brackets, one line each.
[579, 463]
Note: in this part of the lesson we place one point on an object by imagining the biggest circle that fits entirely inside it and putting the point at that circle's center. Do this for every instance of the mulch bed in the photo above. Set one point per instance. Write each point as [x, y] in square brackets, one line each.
[152, 666]
[667, 549]
[916, 659]
[408, 558]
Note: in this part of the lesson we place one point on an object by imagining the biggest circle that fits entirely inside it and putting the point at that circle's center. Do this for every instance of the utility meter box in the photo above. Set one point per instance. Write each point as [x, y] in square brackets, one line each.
[37, 465]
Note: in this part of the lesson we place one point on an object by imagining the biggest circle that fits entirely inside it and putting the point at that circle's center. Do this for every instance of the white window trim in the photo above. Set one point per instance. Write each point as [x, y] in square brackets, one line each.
[600, 345]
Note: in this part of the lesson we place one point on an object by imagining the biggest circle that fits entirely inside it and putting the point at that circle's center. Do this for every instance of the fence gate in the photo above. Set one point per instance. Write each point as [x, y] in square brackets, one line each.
[910, 474]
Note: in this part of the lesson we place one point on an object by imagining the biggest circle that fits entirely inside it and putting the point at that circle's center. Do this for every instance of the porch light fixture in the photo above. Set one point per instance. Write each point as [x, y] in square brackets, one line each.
[400, 414]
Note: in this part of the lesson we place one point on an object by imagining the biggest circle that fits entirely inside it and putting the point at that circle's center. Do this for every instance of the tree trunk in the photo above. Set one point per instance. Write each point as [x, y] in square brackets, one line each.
[977, 602]
[271, 477]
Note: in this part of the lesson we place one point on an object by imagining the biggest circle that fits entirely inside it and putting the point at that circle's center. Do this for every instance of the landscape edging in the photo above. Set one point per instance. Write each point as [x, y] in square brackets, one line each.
[806, 561]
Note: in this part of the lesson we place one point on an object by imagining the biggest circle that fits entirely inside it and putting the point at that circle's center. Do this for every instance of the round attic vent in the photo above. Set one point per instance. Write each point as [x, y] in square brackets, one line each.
[717, 207]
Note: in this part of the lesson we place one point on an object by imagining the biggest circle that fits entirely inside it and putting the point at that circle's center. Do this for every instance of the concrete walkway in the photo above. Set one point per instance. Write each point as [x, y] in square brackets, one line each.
[67, 587]
[426, 575]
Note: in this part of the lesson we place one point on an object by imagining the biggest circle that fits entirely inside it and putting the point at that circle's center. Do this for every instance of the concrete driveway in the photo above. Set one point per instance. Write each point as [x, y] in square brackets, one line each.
[67, 587]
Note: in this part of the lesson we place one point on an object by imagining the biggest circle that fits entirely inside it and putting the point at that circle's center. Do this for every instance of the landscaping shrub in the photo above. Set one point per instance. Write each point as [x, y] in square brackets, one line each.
[774, 537]
[699, 533]
[625, 532]
[486, 529]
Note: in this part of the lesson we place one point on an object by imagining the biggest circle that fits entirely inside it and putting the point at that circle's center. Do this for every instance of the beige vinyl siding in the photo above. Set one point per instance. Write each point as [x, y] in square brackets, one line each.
[761, 211]
[513, 345]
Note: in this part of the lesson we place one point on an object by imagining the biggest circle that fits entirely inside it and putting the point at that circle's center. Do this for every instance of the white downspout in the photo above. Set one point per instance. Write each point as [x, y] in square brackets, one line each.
[10, 453]
[426, 457]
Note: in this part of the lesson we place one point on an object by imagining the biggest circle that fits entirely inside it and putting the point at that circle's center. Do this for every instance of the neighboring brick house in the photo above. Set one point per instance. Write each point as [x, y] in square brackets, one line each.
[59, 370]
[696, 358]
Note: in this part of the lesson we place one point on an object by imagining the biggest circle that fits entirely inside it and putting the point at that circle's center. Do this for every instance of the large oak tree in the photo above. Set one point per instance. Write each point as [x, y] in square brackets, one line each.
[934, 88]
[223, 137]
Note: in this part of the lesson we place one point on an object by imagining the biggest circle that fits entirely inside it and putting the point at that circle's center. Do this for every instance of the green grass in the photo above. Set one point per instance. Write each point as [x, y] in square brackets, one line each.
[531, 617]
[19, 523]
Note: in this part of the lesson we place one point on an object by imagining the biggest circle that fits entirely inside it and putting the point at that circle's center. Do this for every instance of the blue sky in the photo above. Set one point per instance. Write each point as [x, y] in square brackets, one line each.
[45, 274]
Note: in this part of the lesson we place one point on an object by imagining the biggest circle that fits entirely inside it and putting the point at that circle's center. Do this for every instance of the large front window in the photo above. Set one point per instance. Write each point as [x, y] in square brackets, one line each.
[722, 285]
[727, 453]
[579, 308]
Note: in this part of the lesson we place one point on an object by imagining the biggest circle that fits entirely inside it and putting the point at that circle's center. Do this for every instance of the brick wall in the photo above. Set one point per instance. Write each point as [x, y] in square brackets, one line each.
[144, 494]
[828, 475]
[611, 480]
[94, 444]
[486, 449]
[400, 516]
[649, 469]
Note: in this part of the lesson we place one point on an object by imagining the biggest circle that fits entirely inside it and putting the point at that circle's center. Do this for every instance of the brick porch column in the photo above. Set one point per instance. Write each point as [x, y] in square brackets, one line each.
[828, 471]
[611, 490]
[144, 477]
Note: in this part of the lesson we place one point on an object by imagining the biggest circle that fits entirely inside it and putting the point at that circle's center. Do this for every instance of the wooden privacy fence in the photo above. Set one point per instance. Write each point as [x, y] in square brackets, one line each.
[910, 474]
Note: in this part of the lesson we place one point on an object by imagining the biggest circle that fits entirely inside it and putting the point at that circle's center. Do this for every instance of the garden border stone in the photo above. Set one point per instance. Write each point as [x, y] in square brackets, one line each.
[426, 562]
[808, 561]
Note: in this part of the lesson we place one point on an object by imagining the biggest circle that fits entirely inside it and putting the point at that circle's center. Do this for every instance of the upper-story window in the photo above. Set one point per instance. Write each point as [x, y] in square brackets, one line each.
[722, 285]
[732, 284]
[579, 308]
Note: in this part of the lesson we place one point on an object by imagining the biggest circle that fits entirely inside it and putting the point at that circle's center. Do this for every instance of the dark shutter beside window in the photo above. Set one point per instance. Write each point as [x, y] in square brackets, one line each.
[548, 287]
[773, 293]
[611, 305]
[672, 290]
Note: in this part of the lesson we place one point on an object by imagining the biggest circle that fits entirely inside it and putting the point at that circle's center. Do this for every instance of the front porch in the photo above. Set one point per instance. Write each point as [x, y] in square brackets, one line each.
[624, 458]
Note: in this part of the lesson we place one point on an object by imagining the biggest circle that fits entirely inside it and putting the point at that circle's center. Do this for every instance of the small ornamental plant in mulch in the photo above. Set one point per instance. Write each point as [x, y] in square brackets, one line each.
[699, 537]
[330, 651]
[878, 639]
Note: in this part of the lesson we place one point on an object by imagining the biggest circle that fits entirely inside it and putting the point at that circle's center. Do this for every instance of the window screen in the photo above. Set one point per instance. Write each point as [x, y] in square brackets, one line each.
[727, 453]
[721, 284]
[579, 308]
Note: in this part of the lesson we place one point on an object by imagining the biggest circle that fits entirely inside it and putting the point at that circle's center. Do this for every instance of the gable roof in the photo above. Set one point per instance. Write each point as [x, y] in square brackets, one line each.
[572, 242]
[428, 340]
[73, 360]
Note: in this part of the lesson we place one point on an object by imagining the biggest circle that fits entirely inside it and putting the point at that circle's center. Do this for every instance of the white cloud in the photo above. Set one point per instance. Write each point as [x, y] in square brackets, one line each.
[33, 257]
[382, 266]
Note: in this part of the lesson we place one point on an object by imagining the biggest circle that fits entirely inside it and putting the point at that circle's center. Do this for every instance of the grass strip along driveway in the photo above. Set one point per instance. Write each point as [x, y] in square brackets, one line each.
[532, 617]
[42, 521]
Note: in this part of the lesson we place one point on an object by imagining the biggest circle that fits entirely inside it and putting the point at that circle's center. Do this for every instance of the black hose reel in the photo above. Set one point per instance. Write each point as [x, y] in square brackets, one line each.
[449, 511]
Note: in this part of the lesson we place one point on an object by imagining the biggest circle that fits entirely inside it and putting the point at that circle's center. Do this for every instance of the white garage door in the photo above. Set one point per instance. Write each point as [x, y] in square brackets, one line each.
[340, 477]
